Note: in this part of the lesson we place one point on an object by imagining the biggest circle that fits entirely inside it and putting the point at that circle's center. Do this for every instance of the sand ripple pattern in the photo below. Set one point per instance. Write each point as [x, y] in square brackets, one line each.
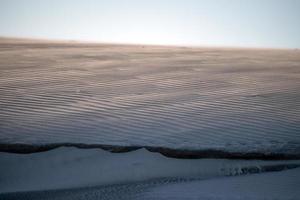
[194, 98]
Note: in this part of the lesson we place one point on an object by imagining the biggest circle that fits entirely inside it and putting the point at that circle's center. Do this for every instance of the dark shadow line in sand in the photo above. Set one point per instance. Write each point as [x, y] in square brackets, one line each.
[168, 152]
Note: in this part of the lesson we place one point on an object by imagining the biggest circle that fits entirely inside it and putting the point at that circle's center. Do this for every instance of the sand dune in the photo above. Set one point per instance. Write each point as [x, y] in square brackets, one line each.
[183, 102]
[65, 168]
[72, 173]
[234, 100]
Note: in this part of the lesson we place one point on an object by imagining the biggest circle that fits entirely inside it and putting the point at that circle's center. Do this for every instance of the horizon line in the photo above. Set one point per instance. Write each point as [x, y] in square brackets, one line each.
[83, 41]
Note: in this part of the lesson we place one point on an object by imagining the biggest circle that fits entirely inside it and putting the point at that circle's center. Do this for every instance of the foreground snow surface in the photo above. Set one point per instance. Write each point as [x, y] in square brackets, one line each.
[71, 173]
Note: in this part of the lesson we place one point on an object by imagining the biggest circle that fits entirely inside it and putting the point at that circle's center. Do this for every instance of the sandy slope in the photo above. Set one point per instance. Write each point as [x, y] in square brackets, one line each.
[232, 100]
[72, 168]
[71, 173]
[242, 100]
[269, 186]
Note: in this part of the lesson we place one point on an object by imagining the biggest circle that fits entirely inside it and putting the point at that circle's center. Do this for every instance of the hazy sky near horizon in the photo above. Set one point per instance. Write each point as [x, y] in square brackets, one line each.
[253, 23]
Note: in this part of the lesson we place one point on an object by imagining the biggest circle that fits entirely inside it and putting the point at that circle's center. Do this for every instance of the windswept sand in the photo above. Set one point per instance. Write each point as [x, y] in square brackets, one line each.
[235, 100]
[231, 101]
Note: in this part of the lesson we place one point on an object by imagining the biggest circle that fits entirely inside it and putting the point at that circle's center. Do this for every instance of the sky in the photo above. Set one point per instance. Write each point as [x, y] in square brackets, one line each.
[240, 23]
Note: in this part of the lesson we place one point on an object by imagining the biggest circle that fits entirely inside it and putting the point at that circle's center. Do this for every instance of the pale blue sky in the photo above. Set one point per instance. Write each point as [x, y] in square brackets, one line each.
[253, 23]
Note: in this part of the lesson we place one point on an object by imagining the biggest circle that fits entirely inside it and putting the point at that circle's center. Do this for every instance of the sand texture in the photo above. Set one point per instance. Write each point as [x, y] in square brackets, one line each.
[232, 100]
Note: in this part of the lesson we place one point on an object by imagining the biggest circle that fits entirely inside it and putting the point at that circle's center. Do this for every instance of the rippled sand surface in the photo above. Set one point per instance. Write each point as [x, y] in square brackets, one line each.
[186, 98]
